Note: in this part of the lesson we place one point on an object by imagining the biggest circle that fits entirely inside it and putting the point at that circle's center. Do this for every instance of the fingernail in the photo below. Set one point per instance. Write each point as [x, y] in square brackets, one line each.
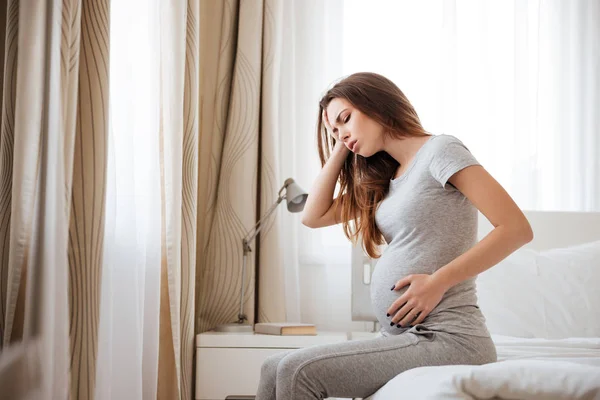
[393, 287]
[398, 326]
[387, 315]
[391, 324]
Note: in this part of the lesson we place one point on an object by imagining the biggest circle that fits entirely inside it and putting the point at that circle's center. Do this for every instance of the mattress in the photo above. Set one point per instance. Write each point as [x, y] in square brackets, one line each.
[526, 366]
[574, 349]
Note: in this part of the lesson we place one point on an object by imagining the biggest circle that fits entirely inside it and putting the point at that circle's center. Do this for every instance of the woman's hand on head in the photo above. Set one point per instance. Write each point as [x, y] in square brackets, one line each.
[339, 145]
[329, 128]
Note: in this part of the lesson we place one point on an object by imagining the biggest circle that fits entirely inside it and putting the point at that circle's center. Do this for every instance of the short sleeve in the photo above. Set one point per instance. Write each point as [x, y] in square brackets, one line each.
[450, 157]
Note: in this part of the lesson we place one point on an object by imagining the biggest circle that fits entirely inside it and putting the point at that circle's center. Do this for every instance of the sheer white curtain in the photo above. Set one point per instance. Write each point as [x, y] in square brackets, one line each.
[312, 60]
[129, 317]
[517, 81]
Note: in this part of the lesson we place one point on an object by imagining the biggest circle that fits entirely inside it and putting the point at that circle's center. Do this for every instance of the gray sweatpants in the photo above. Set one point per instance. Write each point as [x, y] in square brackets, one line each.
[357, 369]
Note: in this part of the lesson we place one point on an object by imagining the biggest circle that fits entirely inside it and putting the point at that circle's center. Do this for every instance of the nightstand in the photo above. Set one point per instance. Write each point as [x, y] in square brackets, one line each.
[228, 364]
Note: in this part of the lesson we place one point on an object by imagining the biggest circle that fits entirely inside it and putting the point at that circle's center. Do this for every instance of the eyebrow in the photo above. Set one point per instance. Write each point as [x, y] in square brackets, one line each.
[337, 119]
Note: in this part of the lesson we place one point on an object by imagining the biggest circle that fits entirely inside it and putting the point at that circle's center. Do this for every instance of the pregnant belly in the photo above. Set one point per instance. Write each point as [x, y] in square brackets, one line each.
[385, 275]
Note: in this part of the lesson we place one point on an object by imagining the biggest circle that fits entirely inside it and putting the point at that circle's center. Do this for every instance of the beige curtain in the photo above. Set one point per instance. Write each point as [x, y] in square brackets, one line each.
[240, 61]
[179, 188]
[77, 144]
[88, 21]
[218, 160]
[9, 292]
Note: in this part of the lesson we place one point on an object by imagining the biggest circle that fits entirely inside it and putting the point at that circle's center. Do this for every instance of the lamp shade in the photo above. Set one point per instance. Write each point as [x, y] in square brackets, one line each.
[295, 196]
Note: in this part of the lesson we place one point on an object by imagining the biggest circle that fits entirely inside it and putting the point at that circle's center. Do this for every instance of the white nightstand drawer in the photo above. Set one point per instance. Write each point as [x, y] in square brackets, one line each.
[224, 372]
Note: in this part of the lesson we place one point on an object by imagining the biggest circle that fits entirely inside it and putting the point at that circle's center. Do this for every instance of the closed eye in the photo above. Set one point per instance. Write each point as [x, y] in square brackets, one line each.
[345, 122]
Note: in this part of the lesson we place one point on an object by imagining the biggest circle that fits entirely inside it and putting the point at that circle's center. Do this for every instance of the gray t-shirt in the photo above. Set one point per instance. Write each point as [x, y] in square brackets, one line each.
[426, 223]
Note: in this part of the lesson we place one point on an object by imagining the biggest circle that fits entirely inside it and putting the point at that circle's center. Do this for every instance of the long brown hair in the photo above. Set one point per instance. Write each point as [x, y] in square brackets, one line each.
[365, 180]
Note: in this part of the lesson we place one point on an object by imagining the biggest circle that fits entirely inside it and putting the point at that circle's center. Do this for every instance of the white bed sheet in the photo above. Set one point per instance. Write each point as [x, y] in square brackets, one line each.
[583, 351]
[578, 350]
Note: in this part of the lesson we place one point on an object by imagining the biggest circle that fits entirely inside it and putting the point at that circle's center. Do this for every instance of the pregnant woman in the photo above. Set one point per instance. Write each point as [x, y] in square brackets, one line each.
[419, 193]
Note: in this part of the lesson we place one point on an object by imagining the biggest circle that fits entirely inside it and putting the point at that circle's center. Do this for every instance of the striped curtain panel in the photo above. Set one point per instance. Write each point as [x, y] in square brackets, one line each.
[75, 95]
[53, 146]
[179, 188]
[239, 160]
[66, 199]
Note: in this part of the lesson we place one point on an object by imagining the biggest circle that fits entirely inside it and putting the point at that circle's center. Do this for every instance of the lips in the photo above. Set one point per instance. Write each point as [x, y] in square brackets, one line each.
[352, 145]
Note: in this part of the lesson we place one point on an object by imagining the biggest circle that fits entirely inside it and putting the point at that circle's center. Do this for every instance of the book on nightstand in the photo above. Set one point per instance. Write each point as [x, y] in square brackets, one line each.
[285, 328]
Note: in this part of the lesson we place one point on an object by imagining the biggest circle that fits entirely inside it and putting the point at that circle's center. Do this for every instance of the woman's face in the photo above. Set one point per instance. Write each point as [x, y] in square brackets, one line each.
[360, 133]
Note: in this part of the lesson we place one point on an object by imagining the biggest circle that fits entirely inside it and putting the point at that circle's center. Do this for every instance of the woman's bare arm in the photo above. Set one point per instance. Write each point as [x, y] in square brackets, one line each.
[319, 211]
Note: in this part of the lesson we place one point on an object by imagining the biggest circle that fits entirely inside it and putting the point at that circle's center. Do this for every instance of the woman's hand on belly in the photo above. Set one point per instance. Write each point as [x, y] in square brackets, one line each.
[423, 294]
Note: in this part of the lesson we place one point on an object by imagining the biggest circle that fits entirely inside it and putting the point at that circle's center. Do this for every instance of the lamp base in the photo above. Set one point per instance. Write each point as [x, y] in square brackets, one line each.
[235, 328]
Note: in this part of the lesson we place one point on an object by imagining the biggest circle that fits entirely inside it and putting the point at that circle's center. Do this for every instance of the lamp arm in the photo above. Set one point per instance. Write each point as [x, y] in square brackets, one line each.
[246, 248]
[257, 228]
[246, 244]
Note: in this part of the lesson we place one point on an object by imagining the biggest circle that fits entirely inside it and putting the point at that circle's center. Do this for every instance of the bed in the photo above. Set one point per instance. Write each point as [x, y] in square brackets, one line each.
[542, 307]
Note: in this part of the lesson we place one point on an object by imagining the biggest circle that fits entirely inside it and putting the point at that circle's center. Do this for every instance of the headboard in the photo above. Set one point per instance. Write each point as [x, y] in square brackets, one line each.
[551, 230]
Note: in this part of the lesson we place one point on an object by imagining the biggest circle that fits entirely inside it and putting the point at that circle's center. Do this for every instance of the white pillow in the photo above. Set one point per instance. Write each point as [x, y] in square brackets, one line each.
[550, 294]
[570, 280]
[509, 298]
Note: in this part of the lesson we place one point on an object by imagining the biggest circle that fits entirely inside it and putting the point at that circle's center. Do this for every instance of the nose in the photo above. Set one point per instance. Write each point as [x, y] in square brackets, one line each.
[344, 136]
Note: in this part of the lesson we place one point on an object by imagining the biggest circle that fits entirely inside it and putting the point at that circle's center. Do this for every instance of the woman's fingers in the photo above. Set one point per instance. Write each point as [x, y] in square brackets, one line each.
[401, 313]
[405, 316]
[421, 318]
[398, 304]
[412, 316]
[328, 126]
